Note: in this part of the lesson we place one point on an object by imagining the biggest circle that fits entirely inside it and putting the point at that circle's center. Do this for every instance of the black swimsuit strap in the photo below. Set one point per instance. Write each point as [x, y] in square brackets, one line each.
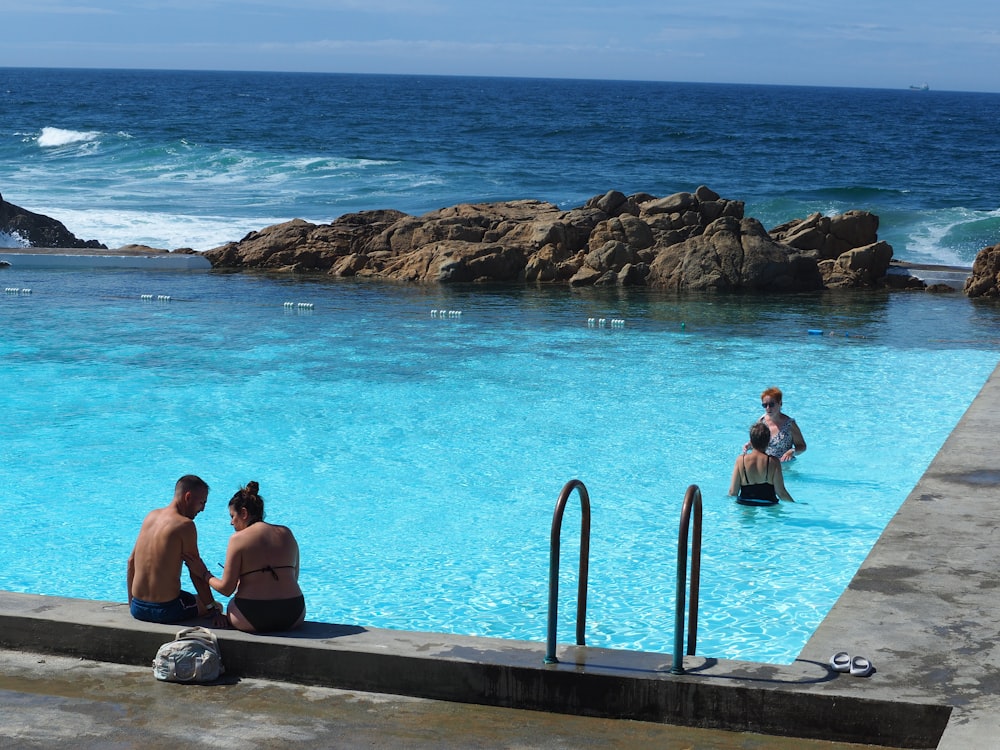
[746, 479]
[268, 569]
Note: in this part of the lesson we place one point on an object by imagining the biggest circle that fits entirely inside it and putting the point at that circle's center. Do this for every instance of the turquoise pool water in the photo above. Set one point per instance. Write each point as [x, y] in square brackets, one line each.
[418, 457]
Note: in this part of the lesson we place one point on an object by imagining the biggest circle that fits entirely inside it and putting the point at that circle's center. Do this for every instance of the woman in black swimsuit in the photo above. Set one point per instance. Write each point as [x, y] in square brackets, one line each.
[262, 567]
[757, 478]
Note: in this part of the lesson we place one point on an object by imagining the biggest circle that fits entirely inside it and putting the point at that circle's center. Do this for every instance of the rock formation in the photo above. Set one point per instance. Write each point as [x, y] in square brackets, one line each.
[828, 237]
[696, 241]
[38, 230]
[984, 281]
[684, 241]
[732, 254]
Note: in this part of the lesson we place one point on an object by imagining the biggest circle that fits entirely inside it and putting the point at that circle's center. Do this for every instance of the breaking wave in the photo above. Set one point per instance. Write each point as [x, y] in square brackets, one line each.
[56, 137]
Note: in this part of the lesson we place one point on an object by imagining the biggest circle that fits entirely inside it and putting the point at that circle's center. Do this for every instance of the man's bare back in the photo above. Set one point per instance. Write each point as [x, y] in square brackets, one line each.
[154, 567]
[164, 535]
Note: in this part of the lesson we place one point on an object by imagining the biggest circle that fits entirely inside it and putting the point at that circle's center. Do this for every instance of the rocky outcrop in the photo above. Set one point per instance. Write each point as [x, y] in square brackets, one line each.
[732, 255]
[685, 241]
[467, 242]
[984, 281]
[845, 246]
[697, 241]
[298, 245]
[860, 267]
[828, 237]
[38, 230]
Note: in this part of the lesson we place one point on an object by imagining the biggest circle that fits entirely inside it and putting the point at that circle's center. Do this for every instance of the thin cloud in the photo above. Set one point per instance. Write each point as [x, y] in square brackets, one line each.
[420, 46]
[39, 7]
[291, 7]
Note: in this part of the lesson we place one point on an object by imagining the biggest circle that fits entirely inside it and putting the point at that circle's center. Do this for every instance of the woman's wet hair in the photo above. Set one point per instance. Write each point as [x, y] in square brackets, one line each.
[248, 499]
[760, 436]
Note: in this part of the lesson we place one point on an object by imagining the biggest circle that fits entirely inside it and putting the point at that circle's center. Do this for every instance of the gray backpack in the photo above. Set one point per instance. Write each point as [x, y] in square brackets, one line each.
[193, 656]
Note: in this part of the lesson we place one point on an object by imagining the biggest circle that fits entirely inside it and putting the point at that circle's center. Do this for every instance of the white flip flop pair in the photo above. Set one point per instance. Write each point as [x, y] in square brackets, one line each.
[859, 666]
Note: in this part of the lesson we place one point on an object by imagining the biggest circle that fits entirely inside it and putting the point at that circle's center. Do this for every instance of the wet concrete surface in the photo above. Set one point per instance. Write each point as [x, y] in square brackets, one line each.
[58, 702]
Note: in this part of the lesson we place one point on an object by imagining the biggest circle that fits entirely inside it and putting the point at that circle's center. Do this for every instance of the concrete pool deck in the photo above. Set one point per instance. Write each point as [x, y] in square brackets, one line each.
[924, 607]
[142, 258]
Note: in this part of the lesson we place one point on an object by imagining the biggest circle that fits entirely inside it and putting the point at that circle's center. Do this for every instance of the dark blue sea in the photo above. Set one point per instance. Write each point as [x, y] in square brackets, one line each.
[197, 159]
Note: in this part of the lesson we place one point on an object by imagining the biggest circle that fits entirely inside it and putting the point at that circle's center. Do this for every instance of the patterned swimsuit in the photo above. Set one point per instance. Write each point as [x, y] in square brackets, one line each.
[781, 443]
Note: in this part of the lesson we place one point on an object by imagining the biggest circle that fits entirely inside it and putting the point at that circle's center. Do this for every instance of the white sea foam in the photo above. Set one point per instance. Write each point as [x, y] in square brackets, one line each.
[332, 164]
[925, 245]
[951, 236]
[161, 230]
[12, 239]
[56, 137]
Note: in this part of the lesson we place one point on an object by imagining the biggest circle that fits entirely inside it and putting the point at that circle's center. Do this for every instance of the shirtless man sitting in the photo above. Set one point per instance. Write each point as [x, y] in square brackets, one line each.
[154, 567]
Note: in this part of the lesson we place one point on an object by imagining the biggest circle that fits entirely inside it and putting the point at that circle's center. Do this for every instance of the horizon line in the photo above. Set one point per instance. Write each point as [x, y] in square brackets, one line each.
[917, 88]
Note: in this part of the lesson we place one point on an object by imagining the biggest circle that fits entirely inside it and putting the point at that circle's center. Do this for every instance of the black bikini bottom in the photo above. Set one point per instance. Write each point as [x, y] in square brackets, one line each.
[270, 615]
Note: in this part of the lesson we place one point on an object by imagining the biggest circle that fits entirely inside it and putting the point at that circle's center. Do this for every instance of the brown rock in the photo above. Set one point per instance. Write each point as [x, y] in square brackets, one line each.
[941, 289]
[684, 241]
[891, 280]
[731, 255]
[452, 261]
[861, 266]
[677, 203]
[612, 203]
[552, 264]
[612, 256]
[302, 246]
[143, 250]
[633, 274]
[829, 236]
[349, 265]
[704, 193]
[585, 277]
[855, 228]
[984, 281]
[626, 229]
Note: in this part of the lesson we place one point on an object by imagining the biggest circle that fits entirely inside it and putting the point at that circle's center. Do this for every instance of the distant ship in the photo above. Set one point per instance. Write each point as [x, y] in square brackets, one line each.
[921, 87]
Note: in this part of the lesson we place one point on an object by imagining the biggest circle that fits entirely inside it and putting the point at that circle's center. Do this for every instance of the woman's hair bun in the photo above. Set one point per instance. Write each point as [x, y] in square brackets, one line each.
[253, 487]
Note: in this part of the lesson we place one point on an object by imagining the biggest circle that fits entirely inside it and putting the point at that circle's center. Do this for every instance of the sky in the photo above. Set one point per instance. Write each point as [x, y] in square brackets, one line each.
[948, 44]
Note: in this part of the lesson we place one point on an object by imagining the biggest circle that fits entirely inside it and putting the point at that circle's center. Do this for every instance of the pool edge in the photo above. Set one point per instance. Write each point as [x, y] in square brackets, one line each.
[797, 700]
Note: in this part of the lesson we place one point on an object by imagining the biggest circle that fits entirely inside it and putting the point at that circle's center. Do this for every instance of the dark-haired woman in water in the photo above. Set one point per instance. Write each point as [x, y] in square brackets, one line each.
[262, 567]
[757, 478]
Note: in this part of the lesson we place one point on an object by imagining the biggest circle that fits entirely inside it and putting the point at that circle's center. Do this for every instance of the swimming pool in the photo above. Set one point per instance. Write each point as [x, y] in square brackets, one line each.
[418, 457]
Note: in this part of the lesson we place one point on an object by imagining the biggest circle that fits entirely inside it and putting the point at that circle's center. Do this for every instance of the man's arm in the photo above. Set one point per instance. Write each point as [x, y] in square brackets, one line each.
[206, 598]
[130, 575]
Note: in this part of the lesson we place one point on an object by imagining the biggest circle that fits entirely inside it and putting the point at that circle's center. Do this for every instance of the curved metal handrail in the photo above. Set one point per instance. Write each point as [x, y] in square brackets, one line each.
[554, 543]
[692, 499]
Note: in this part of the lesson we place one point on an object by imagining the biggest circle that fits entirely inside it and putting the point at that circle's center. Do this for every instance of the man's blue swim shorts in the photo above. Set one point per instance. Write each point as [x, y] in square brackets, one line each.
[184, 607]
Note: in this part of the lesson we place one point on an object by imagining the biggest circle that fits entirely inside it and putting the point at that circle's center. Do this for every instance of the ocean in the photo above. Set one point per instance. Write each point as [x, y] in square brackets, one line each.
[196, 159]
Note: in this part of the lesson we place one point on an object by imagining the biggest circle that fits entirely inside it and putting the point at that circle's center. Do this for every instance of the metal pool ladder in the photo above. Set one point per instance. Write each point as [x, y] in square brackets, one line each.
[692, 500]
[581, 596]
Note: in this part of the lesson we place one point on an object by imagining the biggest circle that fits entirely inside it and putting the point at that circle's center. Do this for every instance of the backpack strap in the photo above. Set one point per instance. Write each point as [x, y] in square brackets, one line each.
[198, 633]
